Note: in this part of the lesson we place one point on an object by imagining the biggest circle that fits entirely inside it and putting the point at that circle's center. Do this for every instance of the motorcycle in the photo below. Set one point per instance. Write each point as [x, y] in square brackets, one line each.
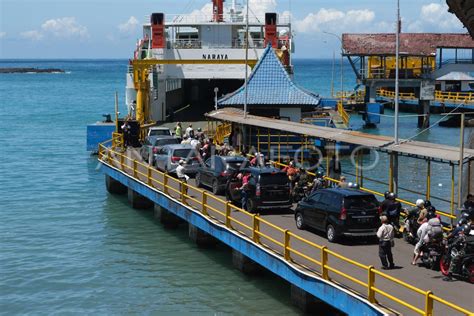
[465, 268]
[432, 253]
[300, 191]
[410, 229]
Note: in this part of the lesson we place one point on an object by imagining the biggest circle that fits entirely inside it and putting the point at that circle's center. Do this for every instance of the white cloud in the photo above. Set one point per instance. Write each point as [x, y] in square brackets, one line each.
[129, 27]
[32, 35]
[65, 28]
[3, 34]
[434, 17]
[335, 21]
[258, 8]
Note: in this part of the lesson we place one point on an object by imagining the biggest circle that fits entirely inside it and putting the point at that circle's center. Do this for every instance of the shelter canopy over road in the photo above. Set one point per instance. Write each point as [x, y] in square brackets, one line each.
[417, 149]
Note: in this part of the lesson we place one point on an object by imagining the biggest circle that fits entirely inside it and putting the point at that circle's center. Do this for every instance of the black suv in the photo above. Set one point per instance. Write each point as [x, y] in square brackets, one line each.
[269, 188]
[339, 212]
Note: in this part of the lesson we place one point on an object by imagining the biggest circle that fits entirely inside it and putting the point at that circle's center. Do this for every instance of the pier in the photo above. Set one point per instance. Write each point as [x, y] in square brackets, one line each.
[341, 275]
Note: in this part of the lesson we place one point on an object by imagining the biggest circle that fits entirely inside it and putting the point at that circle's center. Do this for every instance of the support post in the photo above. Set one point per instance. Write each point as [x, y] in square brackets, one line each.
[269, 143]
[184, 188]
[204, 203]
[361, 177]
[452, 191]
[371, 284]
[428, 303]
[428, 180]
[390, 174]
[461, 161]
[258, 139]
[227, 215]
[148, 176]
[324, 263]
[165, 183]
[287, 245]
[256, 229]
[135, 168]
[279, 152]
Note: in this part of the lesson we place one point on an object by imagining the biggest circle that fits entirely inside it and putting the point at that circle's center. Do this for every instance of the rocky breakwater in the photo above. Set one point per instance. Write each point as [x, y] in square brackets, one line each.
[29, 70]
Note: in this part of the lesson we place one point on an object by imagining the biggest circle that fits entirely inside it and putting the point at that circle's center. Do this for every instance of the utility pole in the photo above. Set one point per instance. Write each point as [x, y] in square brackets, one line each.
[397, 53]
[246, 59]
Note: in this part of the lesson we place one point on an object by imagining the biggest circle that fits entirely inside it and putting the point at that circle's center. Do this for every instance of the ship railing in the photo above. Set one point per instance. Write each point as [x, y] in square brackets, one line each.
[292, 248]
[176, 19]
[184, 43]
[389, 73]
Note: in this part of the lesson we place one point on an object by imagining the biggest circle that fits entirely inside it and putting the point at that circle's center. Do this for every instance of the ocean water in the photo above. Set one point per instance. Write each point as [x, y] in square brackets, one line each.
[68, 247]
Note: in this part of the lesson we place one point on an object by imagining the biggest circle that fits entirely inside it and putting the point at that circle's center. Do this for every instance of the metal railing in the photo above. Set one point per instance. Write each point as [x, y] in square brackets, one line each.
[440, 96]
[343, 113]
[255, 228]
[222, 131]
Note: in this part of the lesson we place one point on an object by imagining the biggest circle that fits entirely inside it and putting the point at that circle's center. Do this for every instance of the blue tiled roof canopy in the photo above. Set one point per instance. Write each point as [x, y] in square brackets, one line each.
[270, 84]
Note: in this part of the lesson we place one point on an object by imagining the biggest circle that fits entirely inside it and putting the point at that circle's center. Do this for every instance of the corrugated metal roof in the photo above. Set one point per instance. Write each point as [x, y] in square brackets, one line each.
[456, 76]
[382, 143]
[414, 44]
[270, 84]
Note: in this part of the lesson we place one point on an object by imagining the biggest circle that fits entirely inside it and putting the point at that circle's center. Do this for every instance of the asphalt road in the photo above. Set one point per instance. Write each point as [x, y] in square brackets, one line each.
[361, 250]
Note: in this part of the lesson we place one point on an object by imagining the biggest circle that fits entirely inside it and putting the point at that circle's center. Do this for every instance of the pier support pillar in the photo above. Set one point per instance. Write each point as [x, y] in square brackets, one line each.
[424, 109]
[244, 263]
[113, 186]
[310, 304]
[138, 201]
[201, 238]
[168, 219]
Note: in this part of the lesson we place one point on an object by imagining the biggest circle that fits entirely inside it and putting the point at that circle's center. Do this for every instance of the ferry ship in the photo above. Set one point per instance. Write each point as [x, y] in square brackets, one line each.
[190, 58]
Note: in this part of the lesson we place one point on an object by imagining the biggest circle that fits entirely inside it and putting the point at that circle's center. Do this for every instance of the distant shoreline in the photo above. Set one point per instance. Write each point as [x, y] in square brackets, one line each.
[29, 70]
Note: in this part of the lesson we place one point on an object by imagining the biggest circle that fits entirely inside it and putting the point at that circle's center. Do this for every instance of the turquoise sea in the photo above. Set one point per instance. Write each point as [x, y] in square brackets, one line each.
[68, 247]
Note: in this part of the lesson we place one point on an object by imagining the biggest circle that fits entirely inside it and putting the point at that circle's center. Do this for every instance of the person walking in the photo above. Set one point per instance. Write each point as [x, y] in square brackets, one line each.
[178, 132]
[182, 176]
[244, 189]
[190, 131]
[386, 233]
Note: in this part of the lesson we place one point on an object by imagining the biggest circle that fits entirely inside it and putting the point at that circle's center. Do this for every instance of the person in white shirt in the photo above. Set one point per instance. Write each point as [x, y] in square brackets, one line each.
[385, 233]
[195, 144]
[186, 140]
[181, 175]
[422, 233]
[190, 131]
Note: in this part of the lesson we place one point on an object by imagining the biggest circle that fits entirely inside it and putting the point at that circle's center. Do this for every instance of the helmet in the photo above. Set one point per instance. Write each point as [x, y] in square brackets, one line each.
[427, 203]
[420, 203]
[350, 185]
[467, 229]
[181, 162]
[355, 186]
[462, 221]
[386, 194]
[319, 174]
[392, 196]
[431, 212]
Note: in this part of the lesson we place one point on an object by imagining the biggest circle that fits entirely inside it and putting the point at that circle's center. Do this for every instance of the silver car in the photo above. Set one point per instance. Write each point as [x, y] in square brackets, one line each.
[168, 157]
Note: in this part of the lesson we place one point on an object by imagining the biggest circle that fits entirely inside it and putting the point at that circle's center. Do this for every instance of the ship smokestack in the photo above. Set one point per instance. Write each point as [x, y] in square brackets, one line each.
[158, 30]
[271, 29]
[218, 10]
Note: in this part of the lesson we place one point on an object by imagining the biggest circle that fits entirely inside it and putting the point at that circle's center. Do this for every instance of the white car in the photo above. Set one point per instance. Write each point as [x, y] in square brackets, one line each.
[159, 131]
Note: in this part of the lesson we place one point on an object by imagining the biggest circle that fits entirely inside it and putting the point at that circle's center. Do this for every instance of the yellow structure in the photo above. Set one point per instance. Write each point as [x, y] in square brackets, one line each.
[141, 69]
[383, 67]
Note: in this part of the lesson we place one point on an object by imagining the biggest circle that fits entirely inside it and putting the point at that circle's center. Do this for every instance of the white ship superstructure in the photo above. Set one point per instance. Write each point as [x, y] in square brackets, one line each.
[194, 38]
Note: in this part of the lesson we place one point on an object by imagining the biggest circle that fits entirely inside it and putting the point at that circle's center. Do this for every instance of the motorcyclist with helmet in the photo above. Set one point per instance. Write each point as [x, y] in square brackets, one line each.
[411, 222]
[392, 209]
[430, 231]
[460, 244]
[319, 182]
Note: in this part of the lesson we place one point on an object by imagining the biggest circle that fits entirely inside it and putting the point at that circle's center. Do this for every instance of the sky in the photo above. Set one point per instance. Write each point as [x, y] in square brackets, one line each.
[110, 28]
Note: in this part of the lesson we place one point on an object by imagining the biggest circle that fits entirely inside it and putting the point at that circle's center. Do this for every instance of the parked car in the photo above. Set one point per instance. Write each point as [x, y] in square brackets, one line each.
[154, 143]
[159, 131]
[168, 157]
[269, 188]
[217, 170]
[339, 212]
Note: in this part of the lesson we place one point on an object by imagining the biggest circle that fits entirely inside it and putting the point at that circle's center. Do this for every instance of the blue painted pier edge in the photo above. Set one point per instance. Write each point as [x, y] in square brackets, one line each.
[330, 293]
